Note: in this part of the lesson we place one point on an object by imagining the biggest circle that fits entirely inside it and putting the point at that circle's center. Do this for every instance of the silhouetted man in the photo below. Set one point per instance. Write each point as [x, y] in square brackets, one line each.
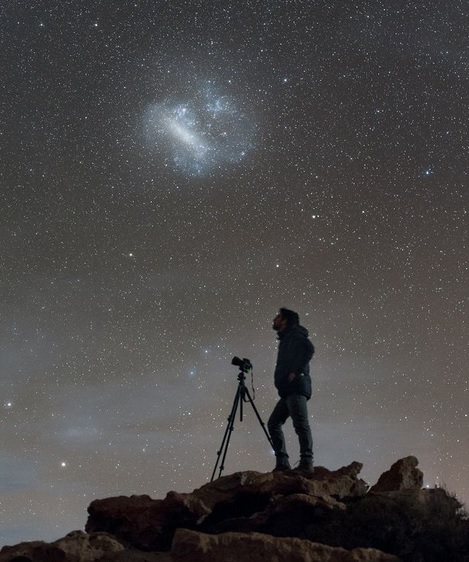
[293, 383]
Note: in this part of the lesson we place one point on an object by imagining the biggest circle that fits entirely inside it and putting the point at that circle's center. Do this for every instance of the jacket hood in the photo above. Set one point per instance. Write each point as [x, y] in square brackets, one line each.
[303, 331]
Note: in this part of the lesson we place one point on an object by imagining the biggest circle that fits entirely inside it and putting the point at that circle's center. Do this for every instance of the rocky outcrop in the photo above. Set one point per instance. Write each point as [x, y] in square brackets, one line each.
[327, 516]
[190, 546]
[403, 475]
[244, 501]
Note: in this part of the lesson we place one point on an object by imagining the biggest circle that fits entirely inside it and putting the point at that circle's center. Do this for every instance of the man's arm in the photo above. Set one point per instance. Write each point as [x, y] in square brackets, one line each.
[300, 355]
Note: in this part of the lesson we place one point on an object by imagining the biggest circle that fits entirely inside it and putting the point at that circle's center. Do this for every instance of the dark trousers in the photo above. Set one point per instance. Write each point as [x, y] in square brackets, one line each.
[293, 406]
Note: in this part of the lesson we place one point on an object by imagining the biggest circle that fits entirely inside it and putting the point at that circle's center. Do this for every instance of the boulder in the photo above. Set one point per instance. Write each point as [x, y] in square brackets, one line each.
[77, 546]
[403, 475]
[143, 522]
[192, 546]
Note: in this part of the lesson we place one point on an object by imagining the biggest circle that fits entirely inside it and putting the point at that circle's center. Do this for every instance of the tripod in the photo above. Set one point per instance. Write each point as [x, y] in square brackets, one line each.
[242, 395]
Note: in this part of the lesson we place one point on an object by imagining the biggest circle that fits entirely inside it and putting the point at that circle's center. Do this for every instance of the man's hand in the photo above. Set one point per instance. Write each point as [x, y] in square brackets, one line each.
[291, 377]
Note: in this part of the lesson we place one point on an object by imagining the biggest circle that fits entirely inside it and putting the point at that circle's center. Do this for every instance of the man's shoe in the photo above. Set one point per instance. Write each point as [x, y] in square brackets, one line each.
[282, 465]
[305, 468]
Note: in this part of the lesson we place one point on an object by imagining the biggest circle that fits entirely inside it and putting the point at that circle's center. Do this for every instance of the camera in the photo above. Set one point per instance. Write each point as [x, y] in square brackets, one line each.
[243, 364]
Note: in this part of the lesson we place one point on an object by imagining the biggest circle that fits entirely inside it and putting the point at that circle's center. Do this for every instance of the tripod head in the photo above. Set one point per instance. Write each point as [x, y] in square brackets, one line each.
[241, 377]
[244, 365]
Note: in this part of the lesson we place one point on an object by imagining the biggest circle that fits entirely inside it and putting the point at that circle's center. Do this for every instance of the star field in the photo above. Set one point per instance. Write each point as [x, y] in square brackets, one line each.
[174, 172]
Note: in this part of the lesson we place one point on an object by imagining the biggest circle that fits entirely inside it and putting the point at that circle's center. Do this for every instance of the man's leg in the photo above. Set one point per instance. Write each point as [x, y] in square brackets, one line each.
[297, 409]
[277, 419]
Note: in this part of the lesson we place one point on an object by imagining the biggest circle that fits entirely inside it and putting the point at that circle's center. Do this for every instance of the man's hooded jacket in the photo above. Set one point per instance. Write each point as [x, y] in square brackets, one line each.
[294, 354]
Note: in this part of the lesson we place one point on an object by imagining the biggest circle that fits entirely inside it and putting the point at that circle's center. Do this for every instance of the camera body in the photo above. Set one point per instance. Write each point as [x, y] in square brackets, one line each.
[244, 364]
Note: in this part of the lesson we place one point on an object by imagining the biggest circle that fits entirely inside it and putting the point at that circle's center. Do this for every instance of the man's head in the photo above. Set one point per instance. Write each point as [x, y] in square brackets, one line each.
[285, 319]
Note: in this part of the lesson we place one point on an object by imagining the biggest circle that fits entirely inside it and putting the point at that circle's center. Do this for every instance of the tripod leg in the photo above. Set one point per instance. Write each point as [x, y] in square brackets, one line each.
[250, 400]
[221, 453]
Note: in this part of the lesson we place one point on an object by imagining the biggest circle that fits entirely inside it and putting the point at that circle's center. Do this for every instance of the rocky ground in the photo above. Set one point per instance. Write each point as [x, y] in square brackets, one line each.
[329, 516]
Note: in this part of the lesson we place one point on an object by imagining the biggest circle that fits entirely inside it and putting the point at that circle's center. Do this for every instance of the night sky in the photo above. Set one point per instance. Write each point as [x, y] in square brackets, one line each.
[174, 172]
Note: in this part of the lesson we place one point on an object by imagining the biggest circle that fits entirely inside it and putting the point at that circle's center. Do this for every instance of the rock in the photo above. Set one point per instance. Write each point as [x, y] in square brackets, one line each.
[77, 546]
[35, 551]
[145, 523]
[403, 475]
[224, 489]
[427, 500]
[82, 546]
[191, 546]
[304, 503]
[137, 556]
[129, 518]
[323, 482]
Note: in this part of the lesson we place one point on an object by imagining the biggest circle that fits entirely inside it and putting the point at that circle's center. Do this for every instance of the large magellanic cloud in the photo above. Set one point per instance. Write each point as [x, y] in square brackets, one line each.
[202, 134]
